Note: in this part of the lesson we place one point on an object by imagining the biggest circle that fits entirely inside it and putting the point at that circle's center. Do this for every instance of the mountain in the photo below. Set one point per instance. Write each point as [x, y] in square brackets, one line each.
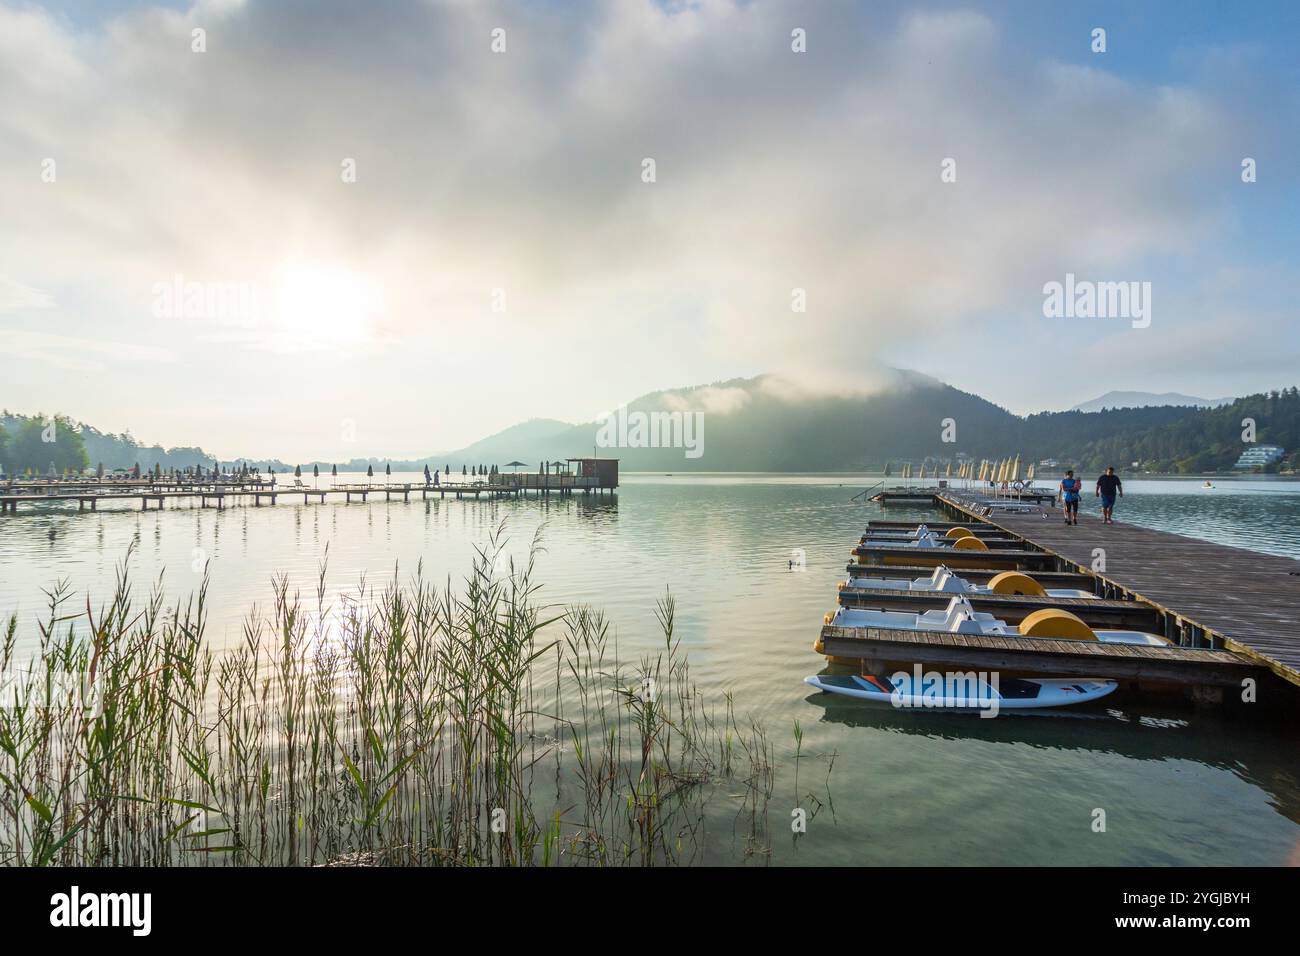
[770, 424]
[765, 424]
[1146, 400]
[530, 441]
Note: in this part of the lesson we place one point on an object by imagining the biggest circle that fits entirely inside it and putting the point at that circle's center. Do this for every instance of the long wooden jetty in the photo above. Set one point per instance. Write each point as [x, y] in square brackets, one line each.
[153, 494]
[1230, 614]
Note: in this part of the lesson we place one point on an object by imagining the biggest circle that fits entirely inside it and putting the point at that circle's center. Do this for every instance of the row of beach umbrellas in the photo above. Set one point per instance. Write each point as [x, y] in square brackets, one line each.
[999, 471]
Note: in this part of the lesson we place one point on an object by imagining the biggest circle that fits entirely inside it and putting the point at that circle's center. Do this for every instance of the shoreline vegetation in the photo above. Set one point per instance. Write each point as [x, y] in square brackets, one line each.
[399, 725]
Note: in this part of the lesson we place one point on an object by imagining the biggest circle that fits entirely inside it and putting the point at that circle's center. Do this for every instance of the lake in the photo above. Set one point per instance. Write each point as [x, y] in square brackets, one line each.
[1178, 786]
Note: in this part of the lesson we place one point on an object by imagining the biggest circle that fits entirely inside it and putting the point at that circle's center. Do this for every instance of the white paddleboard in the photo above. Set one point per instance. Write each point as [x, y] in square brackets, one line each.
[1012, 693]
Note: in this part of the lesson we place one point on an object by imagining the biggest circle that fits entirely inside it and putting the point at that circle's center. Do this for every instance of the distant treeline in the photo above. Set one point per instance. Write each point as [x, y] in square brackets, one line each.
[38, 443]
[1163, 439]
[1206, 439]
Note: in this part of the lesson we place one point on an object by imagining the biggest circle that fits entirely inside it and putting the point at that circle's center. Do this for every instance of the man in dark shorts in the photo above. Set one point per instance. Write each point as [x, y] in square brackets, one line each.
[1070, 488]
[1109, 485]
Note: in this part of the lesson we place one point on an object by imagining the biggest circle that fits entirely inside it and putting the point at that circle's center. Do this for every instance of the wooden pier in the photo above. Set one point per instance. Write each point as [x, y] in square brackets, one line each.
[1230, 614]
[155, 494]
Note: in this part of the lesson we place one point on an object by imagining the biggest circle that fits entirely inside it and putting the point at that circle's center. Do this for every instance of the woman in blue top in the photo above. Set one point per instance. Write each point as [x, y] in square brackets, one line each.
[1070, 488]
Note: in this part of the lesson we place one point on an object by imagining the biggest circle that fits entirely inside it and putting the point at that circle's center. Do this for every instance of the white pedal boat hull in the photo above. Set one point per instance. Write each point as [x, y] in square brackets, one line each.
[1015, 693]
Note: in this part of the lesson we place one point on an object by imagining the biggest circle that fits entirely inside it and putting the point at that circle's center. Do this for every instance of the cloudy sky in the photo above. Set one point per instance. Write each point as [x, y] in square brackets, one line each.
[391, 239]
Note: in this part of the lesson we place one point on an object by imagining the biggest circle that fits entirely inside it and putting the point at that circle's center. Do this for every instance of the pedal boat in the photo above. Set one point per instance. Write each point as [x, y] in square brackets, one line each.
[960, 618]
[943, 579]
[958, 539]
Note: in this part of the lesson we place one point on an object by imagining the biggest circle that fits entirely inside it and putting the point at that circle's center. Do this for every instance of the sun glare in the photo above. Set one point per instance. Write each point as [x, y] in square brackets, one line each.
[325, 306]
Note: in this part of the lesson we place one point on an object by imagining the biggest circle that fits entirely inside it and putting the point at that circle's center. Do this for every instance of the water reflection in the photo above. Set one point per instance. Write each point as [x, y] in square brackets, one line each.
[1137, 731]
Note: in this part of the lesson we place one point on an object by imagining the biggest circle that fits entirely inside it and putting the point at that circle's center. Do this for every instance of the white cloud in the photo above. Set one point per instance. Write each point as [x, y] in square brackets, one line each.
[71, 353]
[711, 398]
[15, 295]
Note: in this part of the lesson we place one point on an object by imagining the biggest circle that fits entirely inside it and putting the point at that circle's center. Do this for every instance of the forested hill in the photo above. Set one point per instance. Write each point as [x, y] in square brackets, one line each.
[1207, 439]
[749, 425]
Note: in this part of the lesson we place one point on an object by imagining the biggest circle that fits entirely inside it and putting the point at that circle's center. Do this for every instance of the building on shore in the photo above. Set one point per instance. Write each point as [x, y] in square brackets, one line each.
[1260, 456]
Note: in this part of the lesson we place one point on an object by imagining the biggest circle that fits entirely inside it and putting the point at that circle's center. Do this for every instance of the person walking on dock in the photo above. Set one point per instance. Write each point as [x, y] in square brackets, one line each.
[1070, 488]
[1108, 485]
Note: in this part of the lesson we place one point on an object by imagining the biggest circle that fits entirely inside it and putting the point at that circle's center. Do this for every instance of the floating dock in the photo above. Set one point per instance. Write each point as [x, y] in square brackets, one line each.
[1230, 614]
[903, 495]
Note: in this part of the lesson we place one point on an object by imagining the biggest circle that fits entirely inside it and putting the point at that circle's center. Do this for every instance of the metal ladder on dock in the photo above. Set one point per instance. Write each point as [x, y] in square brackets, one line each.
[866, 494]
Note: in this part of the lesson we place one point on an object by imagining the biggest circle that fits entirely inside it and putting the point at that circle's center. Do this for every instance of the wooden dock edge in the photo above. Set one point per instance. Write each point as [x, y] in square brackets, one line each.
[1178, 665]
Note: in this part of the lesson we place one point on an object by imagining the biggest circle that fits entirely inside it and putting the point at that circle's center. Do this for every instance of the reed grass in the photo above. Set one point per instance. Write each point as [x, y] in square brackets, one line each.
[402, 724]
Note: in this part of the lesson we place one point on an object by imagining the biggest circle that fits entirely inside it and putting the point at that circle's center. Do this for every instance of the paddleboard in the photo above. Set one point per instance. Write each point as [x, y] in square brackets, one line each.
[1012, 692]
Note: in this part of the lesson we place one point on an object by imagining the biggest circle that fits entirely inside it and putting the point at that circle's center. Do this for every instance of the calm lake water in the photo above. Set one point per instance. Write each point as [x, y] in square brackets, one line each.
[1178, 786]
